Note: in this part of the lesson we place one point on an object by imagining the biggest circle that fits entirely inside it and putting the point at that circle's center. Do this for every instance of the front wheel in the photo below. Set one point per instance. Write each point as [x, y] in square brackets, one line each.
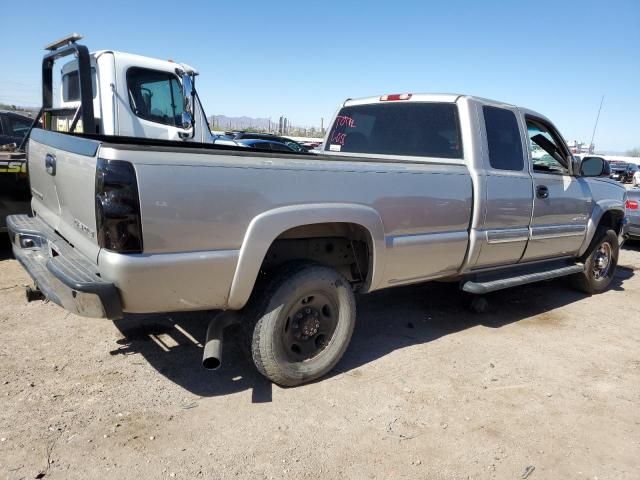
[305, 318]
[600, 263]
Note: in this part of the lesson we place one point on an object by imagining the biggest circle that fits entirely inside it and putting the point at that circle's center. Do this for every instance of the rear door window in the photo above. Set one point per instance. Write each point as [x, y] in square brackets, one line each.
[410, 129]
[503, 139]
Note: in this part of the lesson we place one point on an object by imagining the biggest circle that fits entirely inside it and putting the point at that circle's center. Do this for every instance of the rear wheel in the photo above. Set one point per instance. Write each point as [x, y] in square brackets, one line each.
[305, 319]
[600, 263]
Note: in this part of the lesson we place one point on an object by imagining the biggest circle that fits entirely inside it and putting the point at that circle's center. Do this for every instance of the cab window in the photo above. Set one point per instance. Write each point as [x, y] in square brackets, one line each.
[155, 96]
[503, 139]
[547, 154]
[71, 86]
[421, 129]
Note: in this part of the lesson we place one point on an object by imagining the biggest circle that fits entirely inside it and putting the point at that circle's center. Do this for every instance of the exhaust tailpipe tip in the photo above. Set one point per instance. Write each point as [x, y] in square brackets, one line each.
[212, 355]
[33, 294]
[211, 362]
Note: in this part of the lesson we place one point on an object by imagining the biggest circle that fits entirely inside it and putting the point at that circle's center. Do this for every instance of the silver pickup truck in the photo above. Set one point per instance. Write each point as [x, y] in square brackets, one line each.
[410, 188]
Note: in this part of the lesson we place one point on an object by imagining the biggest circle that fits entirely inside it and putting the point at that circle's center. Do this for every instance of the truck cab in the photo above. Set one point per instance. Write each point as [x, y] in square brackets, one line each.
[136, 96]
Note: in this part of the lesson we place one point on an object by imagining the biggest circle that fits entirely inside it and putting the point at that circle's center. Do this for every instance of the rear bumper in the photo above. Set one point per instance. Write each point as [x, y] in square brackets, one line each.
[65, 276]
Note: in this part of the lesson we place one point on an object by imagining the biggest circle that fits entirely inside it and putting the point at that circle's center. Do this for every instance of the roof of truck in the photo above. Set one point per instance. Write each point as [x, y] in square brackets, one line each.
[142, 60]
[133, 59]
[425, 97]
[436, 97]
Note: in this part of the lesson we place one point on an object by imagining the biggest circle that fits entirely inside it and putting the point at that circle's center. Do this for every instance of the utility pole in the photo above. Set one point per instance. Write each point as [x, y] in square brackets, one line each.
[591, 145]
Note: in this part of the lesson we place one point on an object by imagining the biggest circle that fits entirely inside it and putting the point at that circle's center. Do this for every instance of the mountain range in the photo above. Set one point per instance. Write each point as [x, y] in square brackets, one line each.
[222, 122]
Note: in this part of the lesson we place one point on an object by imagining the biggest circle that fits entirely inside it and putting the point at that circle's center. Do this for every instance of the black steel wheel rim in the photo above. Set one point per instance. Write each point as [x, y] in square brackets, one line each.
[309, 326]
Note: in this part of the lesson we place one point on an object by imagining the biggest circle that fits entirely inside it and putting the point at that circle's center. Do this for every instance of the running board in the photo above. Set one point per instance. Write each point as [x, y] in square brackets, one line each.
[491, 285]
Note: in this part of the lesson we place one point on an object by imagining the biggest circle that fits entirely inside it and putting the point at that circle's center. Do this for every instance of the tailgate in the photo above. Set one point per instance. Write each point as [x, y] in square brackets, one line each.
[62, 173]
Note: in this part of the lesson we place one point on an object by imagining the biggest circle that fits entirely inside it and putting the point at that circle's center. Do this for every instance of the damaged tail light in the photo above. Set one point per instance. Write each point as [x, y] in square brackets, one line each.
[118, 219]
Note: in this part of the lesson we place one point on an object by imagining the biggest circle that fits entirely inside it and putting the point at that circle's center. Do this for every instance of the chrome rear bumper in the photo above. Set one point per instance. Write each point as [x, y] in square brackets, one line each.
[64, 276]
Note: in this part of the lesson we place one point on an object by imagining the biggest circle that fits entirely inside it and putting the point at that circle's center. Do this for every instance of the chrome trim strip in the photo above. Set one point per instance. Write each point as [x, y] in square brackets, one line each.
[507, 235]
[557, 231]
[425, 239]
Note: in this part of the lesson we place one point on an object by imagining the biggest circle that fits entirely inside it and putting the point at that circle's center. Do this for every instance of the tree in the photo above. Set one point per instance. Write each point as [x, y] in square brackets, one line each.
[635, 152]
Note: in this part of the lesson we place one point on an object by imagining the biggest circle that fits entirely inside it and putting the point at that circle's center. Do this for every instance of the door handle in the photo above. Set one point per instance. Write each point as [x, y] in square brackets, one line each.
[50, 164]
[542, 191]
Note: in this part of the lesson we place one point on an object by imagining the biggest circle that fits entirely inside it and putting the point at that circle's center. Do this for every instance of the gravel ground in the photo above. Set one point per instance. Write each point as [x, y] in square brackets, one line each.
[545, 384]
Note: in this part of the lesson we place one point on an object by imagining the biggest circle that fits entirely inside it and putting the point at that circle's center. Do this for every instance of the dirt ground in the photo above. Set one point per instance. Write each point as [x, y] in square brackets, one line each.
[546, 383]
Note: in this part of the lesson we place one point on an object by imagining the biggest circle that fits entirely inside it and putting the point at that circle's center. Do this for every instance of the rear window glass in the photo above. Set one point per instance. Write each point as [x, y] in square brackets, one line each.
[412, 129]
[71, 86]
[503, 138]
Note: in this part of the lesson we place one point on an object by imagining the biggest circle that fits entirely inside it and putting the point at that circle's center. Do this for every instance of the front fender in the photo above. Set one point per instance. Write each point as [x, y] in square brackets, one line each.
[267, 226]
[599, 210]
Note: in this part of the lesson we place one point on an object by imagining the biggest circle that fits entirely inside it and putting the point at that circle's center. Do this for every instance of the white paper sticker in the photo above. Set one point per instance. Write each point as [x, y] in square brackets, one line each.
[335, 147]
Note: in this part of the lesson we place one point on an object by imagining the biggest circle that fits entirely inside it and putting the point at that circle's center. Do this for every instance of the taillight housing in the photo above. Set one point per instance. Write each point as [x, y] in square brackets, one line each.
[631, 205]
[118, 221]
[394, 97]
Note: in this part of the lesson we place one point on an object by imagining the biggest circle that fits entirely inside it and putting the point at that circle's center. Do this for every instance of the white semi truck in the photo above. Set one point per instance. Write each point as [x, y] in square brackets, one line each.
[133, 96]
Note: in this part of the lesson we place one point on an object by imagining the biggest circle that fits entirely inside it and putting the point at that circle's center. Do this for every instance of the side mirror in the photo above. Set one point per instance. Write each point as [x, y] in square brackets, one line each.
[187, 98]
[595, 167]
[187, 120]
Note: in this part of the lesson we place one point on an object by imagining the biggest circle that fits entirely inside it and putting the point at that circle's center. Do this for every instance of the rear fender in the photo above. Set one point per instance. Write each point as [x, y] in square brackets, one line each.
[267, 226]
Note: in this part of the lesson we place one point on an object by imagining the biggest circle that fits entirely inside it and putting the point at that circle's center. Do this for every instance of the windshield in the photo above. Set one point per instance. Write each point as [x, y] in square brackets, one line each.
[413, 129]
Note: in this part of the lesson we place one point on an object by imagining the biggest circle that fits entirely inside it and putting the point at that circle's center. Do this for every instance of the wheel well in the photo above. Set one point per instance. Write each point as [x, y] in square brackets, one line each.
[347, 247]
[612, 219]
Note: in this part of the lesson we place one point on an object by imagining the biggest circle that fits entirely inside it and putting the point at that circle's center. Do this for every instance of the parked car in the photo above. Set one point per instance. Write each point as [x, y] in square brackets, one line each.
[623, 171]
[13, 127]
[266, 145]
[409, 188]
[632, 214]
[317, 149]
[629, 173]
[292, 144]
[14, 186]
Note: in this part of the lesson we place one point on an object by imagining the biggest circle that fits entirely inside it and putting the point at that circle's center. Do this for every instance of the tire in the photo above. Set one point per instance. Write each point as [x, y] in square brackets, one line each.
[597, 276]
[305, 315]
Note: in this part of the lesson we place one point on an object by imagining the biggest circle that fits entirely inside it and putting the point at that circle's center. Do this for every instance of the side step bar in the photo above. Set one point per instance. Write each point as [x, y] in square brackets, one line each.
[491, 285]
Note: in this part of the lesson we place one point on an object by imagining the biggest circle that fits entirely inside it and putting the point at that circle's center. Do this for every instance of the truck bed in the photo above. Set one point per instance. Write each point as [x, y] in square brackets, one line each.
[209, 211]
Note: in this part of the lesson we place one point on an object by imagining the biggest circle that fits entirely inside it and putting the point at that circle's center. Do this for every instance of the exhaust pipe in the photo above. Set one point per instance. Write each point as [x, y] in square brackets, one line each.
[212, 355]
[33, 294]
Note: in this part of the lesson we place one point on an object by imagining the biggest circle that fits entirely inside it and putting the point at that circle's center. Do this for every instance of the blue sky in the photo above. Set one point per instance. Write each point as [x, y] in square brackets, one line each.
[301, 59]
